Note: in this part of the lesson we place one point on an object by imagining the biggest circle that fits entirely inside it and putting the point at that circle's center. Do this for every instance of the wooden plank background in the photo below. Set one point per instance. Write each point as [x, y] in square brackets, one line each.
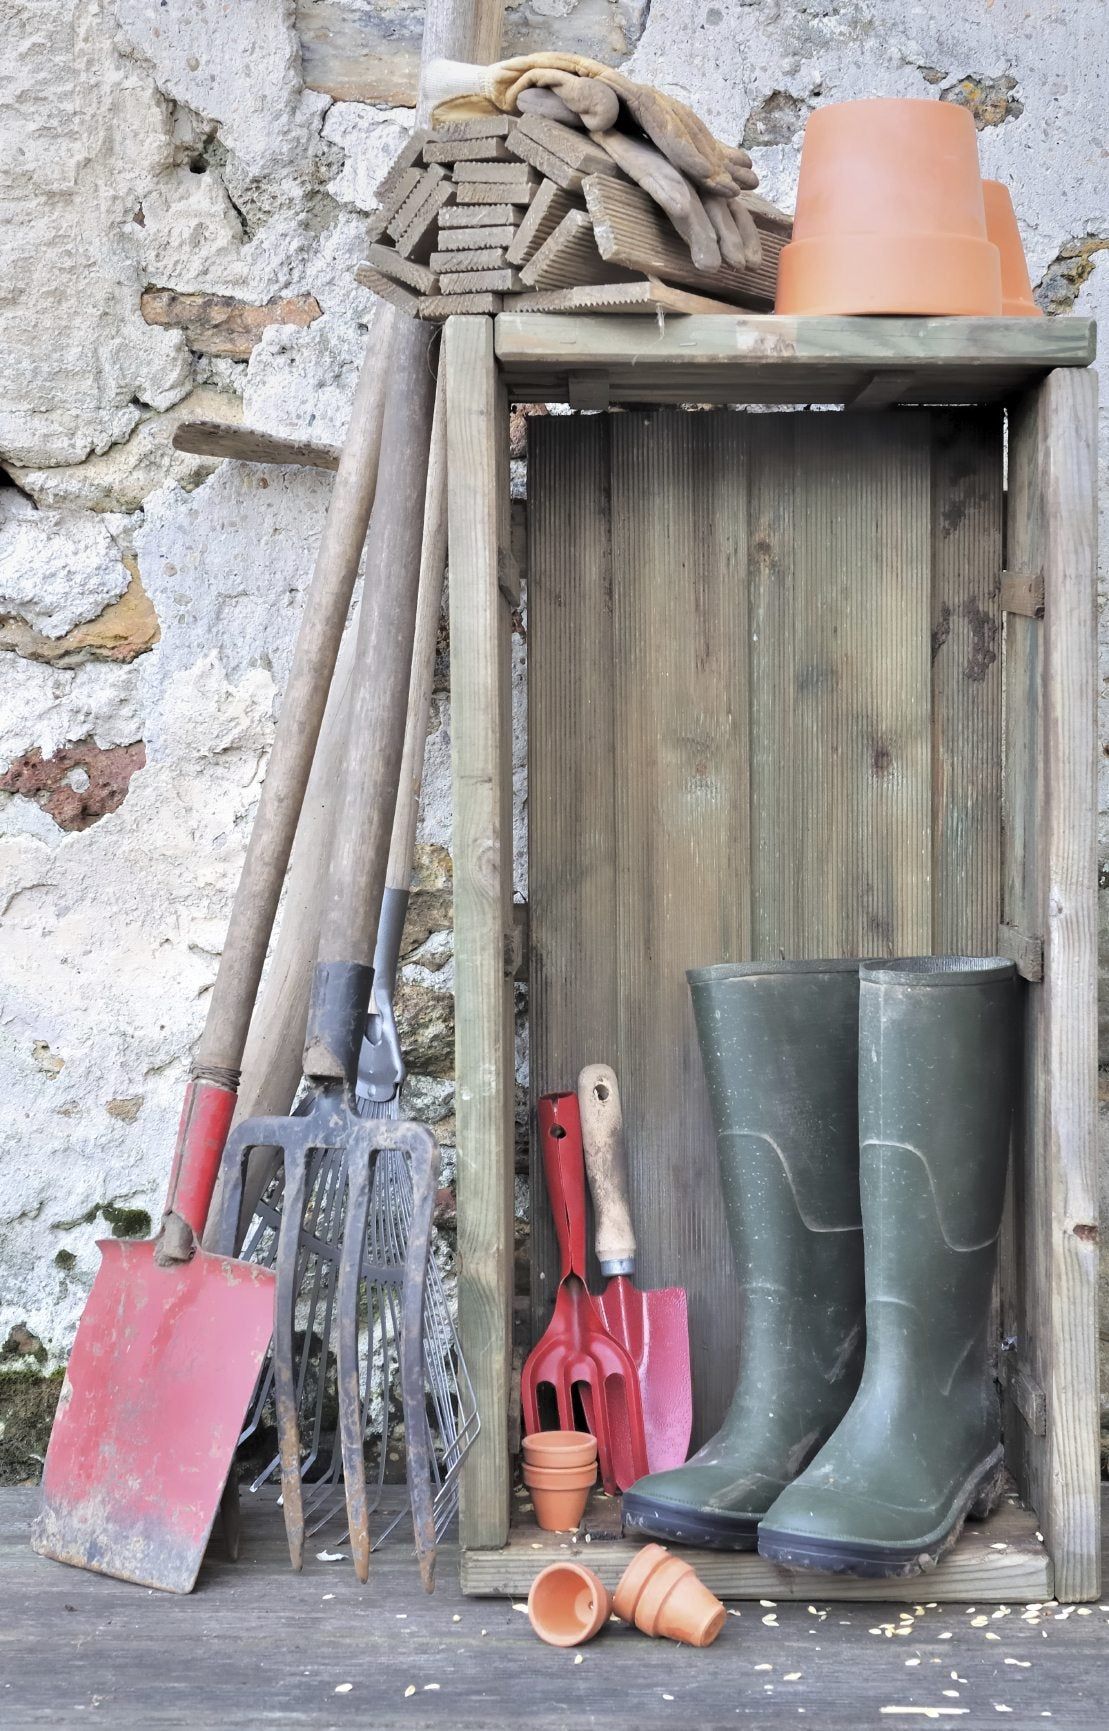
[764, 720]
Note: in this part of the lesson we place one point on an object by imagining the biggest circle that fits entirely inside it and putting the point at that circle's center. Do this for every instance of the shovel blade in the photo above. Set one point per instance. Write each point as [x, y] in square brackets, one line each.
[653, 1329]
[161, 1371]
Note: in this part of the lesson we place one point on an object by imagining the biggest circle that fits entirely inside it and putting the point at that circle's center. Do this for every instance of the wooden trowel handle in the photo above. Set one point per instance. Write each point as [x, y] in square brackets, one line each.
[606, 1162]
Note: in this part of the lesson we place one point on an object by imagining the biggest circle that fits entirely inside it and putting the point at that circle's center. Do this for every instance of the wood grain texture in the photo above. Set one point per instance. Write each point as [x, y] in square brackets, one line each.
[752, 358]
[473, 215]
[966, 680]
[1000, 1560]
[259, 1647]
[1052, 502]
[248, 445]
[631, 230]
[465, 239]
[481, 759]
[571, 785]
[406, 270]
[568, 257]
[767, 683]
[638, 295]
[542, 217]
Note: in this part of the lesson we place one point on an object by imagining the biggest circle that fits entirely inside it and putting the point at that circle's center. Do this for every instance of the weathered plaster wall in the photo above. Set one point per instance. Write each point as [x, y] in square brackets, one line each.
[148, 599]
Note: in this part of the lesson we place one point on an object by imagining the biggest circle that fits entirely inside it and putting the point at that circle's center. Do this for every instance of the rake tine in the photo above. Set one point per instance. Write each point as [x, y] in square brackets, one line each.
[350, 1397]
[424, 1153]
[284, 1357]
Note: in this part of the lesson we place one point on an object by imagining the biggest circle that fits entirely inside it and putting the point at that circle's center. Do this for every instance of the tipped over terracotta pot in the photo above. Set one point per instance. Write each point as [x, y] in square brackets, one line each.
[661, 1595]
[568, 1604]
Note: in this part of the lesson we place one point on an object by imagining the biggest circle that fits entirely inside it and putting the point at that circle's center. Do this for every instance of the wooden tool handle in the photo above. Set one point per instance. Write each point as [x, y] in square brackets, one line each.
[325, 610]
[433, 560]
[606, 1161]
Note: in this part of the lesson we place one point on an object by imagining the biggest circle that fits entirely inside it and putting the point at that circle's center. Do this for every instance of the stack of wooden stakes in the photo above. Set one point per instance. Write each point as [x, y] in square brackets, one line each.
[526, 207]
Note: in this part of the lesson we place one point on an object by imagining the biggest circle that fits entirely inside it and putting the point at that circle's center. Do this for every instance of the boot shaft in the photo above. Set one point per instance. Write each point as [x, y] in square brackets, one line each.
[937, 1079]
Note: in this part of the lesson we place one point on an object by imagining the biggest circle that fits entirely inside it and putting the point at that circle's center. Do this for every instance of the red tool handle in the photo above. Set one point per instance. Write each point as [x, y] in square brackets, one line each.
[201, 1134]
[564, 1170]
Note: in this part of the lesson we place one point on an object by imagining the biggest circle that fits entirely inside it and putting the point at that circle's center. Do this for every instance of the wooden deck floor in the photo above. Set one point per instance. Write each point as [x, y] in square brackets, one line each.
[257, 1646]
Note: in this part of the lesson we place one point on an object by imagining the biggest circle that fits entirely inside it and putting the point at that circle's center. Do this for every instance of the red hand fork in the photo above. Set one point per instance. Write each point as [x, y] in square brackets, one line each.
[577, 1354]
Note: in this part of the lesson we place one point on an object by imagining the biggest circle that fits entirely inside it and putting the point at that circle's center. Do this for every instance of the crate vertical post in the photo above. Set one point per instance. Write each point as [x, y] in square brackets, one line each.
[481, 757]
[1049, 925]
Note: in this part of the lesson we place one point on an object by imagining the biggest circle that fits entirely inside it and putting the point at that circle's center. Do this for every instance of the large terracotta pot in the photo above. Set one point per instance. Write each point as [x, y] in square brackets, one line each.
[890, 214]
[1001, 226]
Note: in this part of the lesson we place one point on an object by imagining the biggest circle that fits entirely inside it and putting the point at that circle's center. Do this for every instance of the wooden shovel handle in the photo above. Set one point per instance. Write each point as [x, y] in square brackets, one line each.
[606, 1161]
[324, 614]
[433, 560]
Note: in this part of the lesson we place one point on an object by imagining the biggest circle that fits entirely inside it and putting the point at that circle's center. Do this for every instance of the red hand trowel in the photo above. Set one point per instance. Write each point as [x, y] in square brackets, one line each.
[652, 1327]
[577, 1362]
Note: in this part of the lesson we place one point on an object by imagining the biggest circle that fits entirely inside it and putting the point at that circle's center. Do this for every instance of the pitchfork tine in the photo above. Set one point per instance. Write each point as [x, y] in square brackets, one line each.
[350, 1393]
[284, 1354]
[424, 1153]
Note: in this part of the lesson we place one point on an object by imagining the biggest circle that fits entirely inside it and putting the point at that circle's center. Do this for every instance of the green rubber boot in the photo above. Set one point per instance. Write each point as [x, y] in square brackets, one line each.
[920, 1449]
[779, 1043]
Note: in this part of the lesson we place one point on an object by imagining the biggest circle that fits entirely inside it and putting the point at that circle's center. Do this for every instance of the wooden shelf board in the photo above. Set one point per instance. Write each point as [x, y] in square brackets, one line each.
[762, 358]
[999, 1561]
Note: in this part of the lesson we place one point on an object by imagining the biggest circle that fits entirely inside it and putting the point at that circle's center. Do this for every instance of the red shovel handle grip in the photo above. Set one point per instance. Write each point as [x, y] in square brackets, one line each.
[564, 1170]
[201, 1134]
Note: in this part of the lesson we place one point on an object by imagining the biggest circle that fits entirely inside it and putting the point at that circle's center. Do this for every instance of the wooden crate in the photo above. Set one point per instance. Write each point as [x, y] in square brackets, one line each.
[800, 685]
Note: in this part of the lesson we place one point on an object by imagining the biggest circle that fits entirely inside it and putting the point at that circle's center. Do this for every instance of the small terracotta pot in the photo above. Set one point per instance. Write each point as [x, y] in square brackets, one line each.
[560, 1448]
[560, 1478]
[661, 1595]
[559, 1495]
[1001, 226]
[558, 1510]
[890, 214]
[568, 1604]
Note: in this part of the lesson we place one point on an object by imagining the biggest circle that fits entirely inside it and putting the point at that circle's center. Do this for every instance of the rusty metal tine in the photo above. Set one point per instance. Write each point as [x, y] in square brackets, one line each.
[350, 1395]
[423, 1152]
[284, 1351]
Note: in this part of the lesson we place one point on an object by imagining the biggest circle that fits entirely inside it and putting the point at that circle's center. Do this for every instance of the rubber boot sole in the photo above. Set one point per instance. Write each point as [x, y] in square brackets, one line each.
[873, 1561]
[682, 1526]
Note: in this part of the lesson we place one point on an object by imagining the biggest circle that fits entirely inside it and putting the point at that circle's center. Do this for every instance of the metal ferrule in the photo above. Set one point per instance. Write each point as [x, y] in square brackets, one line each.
[336, 1016]
[380, 1063]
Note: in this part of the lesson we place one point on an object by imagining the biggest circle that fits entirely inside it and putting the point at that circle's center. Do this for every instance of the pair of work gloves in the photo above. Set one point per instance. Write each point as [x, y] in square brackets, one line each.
[698, 182]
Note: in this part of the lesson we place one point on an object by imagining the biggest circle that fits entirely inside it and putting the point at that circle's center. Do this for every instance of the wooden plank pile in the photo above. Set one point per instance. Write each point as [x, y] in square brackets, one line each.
[527, 208]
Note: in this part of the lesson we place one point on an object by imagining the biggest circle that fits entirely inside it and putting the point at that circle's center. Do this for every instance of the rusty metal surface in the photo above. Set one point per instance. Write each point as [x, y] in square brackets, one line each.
[332, 1135]
[151, 1408]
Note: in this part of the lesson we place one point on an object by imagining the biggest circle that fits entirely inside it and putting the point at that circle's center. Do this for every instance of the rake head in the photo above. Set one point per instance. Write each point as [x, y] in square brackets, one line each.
[332, 1135]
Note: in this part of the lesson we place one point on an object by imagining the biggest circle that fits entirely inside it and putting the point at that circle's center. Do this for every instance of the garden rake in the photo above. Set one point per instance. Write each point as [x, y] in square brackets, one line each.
[449, 1404]
[328, 1127]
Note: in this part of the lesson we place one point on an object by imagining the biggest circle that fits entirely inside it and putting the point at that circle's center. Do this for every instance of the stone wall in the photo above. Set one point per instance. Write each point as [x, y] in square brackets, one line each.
[185, 190]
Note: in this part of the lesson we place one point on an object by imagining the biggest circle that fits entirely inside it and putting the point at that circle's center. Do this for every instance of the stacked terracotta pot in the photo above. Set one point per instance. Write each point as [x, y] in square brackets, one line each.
[560, 1470]
[893, 217]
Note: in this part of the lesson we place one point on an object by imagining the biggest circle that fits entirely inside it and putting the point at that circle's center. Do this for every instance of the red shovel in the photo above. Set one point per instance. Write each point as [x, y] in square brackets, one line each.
[172, 1338]
[577, 1360]
[652, 1327]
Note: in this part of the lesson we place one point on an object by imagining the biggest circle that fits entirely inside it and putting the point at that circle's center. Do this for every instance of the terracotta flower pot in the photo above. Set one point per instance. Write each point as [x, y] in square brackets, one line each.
[661, 1595]
[551, 1478]
[1001, 226]
[560, 1448]
[559, 1494]
[568, 1604]
[890, 214]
